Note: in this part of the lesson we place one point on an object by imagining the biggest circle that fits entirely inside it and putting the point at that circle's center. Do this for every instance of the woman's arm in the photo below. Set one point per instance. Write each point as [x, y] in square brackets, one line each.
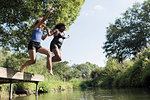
[66, 37]
[55, 32]
[44, 18]
[44, 37]
[49, 33]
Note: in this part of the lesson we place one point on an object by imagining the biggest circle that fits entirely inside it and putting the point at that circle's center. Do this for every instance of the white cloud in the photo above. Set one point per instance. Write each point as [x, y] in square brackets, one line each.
[92, 10]
[98, 7]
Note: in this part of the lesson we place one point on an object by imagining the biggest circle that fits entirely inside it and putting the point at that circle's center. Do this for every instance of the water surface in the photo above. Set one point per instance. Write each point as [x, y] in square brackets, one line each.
[93, 94]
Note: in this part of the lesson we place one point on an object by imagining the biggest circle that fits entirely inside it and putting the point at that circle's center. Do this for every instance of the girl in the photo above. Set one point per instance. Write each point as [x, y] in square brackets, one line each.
[57, 41]
[34, 44]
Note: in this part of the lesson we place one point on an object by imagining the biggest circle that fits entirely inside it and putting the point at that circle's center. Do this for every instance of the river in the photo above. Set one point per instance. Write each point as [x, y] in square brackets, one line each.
[93, 94]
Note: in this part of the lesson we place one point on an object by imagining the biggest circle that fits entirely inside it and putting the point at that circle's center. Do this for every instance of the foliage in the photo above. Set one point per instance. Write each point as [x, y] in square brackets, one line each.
[52, 85]
[97, 72]
[18, 17]
[130, 73]
[130, 33]
[77, 73]
[3, 55]
[44, 87]
[24, 88]
[14, 61]
[104, 77]
[76, 83]
[83, 70]
[62, 70]
[4, 90]
[138, 74]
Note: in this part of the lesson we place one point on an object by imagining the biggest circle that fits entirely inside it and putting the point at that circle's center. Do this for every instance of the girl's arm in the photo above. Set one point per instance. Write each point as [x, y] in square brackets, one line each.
[48, 33]
[44, 18]
[44, 37]
[55, 32]
[66, 37]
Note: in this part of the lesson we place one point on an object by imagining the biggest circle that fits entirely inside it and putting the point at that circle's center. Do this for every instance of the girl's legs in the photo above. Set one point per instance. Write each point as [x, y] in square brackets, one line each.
[49, 59]
[32, 54]
[58, 55]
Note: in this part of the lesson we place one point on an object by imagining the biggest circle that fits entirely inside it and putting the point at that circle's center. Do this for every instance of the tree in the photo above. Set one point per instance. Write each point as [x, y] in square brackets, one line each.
[3, 56]
[62, 70]
[130, 33]
[83, 70]
[17, 18]
[97, 72]
[77, 73]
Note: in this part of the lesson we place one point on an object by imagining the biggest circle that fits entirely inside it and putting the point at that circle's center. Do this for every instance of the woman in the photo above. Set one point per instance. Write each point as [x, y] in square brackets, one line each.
[34, 44]
[57, 41]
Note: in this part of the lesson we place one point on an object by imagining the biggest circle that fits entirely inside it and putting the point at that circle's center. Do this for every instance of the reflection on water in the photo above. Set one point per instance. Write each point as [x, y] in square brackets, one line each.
[94, 94]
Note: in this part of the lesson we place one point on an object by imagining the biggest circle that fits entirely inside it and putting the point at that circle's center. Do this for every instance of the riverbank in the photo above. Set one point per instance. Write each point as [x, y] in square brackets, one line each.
[26, 89]
[132, 73]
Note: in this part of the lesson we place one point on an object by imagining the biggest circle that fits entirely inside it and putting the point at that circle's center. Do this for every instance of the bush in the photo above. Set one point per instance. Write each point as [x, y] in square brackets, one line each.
[130, 73]
[76, 83]
[24, 88]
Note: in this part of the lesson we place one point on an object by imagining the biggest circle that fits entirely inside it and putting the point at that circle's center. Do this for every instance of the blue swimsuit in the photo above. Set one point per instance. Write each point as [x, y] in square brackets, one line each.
[36, 35]
[35, 39]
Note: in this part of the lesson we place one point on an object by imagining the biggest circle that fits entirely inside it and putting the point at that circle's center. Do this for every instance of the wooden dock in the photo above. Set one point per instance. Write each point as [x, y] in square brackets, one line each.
[8, 75]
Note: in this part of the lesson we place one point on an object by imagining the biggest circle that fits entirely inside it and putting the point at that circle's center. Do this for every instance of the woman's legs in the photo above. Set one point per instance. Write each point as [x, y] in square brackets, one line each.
[49, 59]
[32, 54]
[58, 55]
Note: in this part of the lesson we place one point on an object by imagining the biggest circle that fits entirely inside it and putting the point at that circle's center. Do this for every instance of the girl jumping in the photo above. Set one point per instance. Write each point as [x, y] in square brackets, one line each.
[35, 43]
[56, 43]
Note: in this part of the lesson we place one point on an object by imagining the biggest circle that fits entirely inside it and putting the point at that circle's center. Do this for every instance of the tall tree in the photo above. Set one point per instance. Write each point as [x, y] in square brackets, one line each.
[83, 70]
[17, 18]
[130, 33]
[62, 70]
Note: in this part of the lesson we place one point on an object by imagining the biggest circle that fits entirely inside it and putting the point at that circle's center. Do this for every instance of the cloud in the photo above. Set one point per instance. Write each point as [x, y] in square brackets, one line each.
[98, 7]
[93, 10]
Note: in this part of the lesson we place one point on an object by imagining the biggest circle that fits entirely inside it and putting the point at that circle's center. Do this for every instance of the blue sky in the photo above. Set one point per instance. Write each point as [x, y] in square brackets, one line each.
[87, 34]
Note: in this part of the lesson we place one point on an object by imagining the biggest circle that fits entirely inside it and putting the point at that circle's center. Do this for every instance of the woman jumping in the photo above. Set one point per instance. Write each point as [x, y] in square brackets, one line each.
[35, 43]
[56, 43]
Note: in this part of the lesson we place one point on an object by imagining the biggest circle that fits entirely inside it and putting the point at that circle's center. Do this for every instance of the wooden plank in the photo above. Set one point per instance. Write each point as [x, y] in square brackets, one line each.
[7, 73]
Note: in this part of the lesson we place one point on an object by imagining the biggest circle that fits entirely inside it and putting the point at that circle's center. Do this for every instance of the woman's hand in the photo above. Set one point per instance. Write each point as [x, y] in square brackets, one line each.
[51, 10]
[68, 36]
[48, 31]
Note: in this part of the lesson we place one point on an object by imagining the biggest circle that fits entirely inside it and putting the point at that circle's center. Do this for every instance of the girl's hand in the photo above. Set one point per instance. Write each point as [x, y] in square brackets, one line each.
[67, 36]
[48, 31]
[51, 10]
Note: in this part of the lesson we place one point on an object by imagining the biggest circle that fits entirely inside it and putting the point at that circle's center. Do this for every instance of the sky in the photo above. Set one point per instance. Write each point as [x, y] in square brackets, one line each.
[88, 32]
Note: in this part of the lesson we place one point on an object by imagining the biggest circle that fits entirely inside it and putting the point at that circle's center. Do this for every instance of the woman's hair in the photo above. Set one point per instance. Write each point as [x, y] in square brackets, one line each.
[37, 20]
[59, 25]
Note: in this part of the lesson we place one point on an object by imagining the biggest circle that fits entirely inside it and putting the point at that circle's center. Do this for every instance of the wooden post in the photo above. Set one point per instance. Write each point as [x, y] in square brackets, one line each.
[11, 91]
[36, 94]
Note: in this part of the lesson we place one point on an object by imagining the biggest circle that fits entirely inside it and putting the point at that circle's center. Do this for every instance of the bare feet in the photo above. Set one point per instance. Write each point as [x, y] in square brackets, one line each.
[50, 72]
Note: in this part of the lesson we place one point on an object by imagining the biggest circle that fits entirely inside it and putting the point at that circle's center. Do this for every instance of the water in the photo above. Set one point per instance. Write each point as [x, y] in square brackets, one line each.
[93, 94]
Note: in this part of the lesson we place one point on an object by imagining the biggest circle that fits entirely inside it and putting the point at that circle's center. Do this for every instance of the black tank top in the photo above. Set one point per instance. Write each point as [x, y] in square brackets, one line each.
[58, 39]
